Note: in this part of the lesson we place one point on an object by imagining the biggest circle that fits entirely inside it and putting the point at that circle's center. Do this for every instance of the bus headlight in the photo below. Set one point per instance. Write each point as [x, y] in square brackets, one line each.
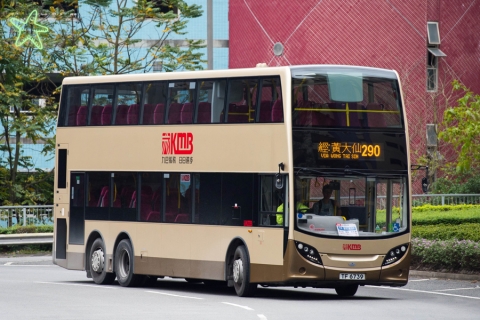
[308, 252]
[395, 254]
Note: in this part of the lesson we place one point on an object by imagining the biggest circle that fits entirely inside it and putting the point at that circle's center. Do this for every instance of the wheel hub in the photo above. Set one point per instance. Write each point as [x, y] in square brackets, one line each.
[238, 271]
[98, 260]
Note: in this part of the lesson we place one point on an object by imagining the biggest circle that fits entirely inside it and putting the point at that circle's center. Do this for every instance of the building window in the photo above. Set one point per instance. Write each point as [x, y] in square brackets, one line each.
[432, 74]
[433, 33]
[433, 53]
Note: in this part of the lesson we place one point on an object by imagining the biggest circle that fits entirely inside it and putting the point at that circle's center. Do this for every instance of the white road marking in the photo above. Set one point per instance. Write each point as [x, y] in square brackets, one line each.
[78, 285]
[261, 316]
[409, 280]
[237, 305]
[431, 292]
[9, 264]
[477, 287]
[175, 295]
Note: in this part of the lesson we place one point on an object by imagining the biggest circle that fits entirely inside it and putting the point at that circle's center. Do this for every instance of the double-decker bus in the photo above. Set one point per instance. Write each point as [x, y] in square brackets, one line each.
[272, 176]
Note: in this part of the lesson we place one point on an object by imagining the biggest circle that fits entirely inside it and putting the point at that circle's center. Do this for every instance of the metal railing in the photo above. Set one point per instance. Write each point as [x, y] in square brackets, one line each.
[43, 215]
[26, 215]
[417, 200]
[445, 199]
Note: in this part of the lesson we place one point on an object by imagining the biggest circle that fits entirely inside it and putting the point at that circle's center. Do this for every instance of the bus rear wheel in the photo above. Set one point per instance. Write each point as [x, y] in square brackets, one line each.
[97, 264]
[347, 291]
[124, 265]
[241, 273]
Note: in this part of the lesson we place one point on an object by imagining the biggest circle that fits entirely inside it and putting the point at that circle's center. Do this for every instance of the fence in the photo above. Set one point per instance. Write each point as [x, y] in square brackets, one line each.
[43, 215]
[26, 215]
[445, 199]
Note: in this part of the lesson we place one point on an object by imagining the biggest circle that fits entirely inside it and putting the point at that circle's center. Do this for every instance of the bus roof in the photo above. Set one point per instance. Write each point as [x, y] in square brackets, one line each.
[240, 72]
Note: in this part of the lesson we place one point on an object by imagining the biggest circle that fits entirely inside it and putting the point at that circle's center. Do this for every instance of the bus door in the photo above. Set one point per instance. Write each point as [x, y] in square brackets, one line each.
[61, 202]
[77, 208]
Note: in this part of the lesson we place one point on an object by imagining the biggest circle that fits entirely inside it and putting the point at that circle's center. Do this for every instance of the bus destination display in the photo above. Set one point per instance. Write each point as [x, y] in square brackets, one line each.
[350, 151]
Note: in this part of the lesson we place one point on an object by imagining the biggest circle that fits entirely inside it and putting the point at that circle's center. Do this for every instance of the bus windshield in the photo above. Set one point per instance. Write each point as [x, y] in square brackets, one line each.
[353, 206]
[334, 96]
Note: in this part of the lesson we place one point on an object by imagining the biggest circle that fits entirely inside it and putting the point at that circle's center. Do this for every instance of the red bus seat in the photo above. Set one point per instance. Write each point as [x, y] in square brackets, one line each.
[82, 114]
[132, 115]
[186, 115]
[107, 115]
[96, 116]
[204, 112]
[174, 111]
[148, 113]
[159, 114]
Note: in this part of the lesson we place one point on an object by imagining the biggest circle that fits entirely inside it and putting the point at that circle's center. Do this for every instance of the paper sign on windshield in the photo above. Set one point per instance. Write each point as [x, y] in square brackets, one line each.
[347, 229]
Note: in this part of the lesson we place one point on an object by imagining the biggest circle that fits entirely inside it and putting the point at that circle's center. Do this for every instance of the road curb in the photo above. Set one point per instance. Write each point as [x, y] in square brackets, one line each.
[444, 275]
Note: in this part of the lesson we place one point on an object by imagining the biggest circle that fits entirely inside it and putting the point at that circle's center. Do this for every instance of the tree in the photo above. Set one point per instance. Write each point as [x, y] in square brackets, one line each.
[23, 119]
[106, 38]
[462, 128]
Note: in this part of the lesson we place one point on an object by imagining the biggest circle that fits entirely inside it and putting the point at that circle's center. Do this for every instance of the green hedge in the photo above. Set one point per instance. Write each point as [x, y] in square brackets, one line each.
[26, 229]
[446, 255]
[466, 231]
[453, 217]
[459, 207]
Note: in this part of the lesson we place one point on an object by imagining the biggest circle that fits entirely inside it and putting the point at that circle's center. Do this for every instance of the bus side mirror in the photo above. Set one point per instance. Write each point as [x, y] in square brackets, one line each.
[425, 185]
[278, 181]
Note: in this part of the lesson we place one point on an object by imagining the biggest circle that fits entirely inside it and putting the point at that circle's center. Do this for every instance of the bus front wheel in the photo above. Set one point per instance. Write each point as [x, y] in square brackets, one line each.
[124, 265]
[98, 265]
[241, 273]
[347, 291]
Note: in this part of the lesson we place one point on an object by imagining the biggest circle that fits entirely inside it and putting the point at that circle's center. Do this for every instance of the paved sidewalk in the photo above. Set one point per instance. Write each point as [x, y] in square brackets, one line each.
[444, 275]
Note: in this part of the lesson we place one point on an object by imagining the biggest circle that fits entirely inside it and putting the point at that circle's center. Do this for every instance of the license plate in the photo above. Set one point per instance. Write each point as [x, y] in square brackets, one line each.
[352, 276]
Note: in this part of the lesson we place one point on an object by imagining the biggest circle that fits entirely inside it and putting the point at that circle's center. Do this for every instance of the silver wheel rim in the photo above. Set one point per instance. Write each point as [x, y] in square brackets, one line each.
[124, 264]
[98, 260]
[238, 271]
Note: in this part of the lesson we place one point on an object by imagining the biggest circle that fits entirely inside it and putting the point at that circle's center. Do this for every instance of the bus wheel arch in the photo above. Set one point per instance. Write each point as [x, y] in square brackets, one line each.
[237, 268]
[97, 262]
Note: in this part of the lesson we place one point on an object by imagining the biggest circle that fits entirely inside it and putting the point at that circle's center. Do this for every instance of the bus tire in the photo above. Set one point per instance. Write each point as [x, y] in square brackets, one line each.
[241, 273]
[97, 263]
[347, 291]
[124, 265]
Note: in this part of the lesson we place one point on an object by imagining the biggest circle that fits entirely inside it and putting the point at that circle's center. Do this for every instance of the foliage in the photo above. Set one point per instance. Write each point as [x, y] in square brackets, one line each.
[27, 229]
[457, 207]
[462, 128]
[449, 255]
[465, 231]
[23, 81]
[108, 40]
[468, 182]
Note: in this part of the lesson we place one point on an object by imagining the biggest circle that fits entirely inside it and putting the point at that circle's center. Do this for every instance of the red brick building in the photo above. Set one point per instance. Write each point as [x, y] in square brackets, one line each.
[379, 33]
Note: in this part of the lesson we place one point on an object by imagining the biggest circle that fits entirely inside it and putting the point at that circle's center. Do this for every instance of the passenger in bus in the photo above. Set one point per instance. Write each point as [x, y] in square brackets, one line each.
[300, 208]
[326, 206]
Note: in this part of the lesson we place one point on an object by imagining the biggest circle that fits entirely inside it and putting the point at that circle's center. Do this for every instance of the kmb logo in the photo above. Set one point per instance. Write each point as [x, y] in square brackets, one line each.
[177, 143]
[352, 247]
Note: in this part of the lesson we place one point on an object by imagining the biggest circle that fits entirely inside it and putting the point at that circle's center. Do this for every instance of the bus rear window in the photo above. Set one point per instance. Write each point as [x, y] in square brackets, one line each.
[345, 98]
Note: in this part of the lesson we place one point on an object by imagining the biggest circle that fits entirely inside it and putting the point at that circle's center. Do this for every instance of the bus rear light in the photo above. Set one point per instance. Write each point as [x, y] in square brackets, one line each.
[308, 252]
[395, 254]
[247, 223]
